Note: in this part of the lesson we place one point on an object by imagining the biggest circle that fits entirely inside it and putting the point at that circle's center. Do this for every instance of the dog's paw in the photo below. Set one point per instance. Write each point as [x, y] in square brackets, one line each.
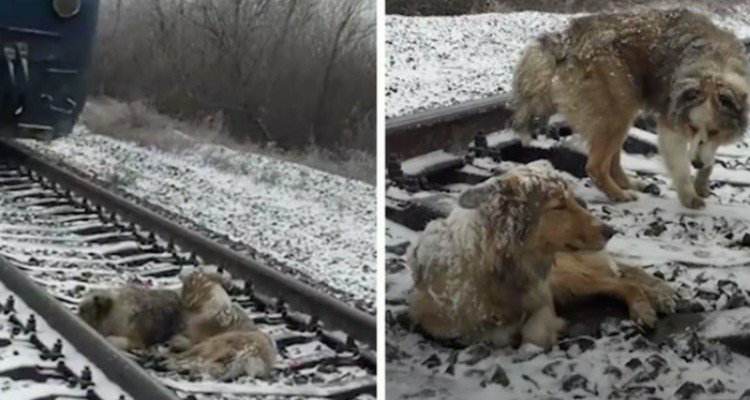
[692, 201]
[663, 298]
[643, 313]
[526, 138]
[179, 343]
[544, 331]
[665, 303]
[703, 191]
[121, 342]
[623, 196]
[639, 184]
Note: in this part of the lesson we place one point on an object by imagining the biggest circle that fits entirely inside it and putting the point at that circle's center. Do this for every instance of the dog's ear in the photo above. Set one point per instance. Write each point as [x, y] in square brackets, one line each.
[102, 303]
[221, 279]
[474, 197]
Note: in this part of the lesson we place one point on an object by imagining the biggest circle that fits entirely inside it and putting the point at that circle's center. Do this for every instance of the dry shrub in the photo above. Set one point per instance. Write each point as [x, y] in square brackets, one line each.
[134, 122]
[293, 72]
[140, 123]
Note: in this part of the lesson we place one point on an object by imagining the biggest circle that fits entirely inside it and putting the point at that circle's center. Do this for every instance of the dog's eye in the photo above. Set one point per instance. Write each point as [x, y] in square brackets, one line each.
[690, 94]
[727, 102]
[713, 133]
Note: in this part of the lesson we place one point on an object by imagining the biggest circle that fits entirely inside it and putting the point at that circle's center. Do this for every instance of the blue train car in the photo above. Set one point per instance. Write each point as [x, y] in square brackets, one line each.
[45, 51]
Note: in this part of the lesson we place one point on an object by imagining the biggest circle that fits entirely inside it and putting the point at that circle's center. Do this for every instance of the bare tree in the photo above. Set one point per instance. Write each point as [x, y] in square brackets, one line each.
[293, 72]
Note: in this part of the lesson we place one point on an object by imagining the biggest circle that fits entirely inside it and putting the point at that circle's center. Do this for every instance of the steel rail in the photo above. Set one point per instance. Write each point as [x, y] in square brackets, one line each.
[300, 297]
[453, 126]
[446, 127]
[119, 369]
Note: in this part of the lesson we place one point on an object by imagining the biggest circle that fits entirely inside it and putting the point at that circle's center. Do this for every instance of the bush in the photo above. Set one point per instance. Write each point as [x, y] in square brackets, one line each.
[293, 72]
[140, 123]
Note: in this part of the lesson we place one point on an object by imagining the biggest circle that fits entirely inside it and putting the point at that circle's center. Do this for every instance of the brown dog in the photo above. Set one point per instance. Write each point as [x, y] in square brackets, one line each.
[219, 337]
[207, 308]
[483, 273]
[577, 276]
[604, 69]
[229, 355]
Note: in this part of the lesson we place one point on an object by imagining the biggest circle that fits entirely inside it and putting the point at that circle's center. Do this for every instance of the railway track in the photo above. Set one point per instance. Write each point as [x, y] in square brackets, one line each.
[434, 155]
[61, 235]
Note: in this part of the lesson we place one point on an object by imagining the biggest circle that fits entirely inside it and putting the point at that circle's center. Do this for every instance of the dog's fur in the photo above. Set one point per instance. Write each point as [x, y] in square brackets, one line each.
[133, 317]
[207, 308]
[206, 331]
[483, 273]
[219, 337]
[605, 69]
[229, 355]
[579, 276]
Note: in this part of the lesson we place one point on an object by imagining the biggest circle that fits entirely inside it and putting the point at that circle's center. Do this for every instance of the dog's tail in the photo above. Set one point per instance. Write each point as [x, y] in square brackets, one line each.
[532, 86]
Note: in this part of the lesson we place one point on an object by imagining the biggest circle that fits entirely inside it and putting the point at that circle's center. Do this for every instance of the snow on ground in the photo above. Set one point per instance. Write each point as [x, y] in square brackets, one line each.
[319, 225]
[700, 253]
[440, 61]
[17, 352]
[69, 253]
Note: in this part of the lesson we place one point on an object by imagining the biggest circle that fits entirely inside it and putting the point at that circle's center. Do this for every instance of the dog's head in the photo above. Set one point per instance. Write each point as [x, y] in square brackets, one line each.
[95, 306]
[711, 109]
[533, 206]
[199, 287]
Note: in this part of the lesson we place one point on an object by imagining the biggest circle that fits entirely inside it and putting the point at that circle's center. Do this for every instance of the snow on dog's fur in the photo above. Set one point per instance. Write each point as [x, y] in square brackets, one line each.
[604, 69]
[219, 337]
[133, 317]
[230, 355]
[482, 272]
[208, 309]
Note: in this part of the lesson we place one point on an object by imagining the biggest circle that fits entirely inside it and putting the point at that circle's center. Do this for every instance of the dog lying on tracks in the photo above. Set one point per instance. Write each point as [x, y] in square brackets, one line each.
[206, 331]
[495, 267]
[133, 317]
[208, 310]
[604, 69]
[219, 337]
[229, 355]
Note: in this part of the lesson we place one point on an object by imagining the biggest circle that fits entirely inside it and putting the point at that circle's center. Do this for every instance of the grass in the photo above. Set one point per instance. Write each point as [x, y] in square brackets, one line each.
[139, 123]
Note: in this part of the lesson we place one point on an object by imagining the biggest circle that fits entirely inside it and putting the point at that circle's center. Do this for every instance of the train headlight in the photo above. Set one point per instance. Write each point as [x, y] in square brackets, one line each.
[67, 8]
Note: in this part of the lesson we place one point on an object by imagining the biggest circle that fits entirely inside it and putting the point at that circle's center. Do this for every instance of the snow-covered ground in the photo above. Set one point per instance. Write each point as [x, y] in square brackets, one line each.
[318, 225]
[16, 352]
[69, 252]
[700, 253]
[440, 61]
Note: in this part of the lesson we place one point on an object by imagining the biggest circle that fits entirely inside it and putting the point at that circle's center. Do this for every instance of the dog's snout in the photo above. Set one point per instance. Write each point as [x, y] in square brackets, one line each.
[698, 164]
[608, 231]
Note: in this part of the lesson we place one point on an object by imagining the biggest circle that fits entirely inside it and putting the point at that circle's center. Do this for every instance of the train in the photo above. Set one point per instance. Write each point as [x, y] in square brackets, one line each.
[46, 48]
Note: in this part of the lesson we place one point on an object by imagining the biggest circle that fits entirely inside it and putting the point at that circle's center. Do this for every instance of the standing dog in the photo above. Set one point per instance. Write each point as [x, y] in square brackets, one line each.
[603, 69]
[483, 273]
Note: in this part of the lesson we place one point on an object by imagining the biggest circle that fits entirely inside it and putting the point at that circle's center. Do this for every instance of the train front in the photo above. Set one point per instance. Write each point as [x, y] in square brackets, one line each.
[45, 52]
